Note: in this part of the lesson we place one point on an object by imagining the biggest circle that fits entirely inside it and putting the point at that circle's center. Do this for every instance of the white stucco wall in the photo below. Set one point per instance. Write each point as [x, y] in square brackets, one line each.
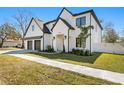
[77, 30]
[47, 40]
[60, 29]
[73, 34]
[96, 32]
[67, 16]
[37, 31]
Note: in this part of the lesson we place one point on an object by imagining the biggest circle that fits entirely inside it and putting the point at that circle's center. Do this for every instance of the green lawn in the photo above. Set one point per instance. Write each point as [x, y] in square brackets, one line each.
[15, 70]
[112, 62]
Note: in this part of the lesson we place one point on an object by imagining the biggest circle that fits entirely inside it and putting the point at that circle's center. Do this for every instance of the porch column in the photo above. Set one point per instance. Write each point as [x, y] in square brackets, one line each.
[33, 45]
[25, 44]
[55, 43]
[41, 44]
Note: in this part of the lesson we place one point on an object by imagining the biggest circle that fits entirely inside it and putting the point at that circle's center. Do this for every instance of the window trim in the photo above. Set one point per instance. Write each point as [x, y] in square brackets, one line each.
[33, 27]
[81, 21]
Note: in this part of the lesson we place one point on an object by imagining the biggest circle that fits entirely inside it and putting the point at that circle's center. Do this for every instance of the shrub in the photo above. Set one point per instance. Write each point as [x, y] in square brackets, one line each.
[81, 52]
[73, 51]
[87, 53]
[49, 49]
[77, 52]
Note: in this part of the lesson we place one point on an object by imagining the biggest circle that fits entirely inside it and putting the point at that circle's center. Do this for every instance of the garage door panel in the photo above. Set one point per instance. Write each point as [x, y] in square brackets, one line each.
[29, 45]
[37, 44]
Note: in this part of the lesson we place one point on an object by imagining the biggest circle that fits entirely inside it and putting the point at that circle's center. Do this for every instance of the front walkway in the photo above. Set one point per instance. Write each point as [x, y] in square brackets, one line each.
[103, 74]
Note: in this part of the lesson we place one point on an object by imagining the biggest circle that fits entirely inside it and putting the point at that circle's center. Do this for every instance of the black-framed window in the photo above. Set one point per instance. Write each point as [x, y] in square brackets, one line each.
[78, 42]
[81, 21]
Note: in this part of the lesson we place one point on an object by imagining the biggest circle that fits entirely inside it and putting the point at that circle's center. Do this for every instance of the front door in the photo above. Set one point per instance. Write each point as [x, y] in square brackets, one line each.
[60, 43]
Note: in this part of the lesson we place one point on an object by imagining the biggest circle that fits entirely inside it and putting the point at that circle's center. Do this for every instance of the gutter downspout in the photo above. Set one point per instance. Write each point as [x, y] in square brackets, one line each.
[43, 41]
[68, 40]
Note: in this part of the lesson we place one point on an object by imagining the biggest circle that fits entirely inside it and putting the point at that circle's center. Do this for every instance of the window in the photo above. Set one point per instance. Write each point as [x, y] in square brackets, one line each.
[78, 42]
[33, 27]
[81, 21]
[78, 22]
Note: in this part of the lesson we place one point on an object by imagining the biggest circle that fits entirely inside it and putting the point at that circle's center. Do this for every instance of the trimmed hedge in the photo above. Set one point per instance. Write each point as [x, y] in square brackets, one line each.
[49, 49]
[81, 52]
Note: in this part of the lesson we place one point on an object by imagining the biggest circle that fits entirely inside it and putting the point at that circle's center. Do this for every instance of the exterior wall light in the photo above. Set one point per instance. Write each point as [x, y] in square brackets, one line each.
[53, 37]
[65, 37]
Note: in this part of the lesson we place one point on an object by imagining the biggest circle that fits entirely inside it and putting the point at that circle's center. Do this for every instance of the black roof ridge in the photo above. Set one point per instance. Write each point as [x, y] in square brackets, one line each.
[76, 14]
[94, 15]
[59, 15]
[70, 26]
[50, 21]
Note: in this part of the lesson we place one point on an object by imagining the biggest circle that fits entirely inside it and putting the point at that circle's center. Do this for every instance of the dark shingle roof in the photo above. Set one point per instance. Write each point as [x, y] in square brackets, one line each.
[67, 24]
[46, 30]
[50, 21]
[64, 21]
[41, 25]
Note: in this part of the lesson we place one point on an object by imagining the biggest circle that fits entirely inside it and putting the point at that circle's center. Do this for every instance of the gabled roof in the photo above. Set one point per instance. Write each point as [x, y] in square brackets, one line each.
[93, 14]
[77, 14]
[89, 11]
[40, 25]
[45, 29]
[50, 21]
[63, 10]
[65, 22]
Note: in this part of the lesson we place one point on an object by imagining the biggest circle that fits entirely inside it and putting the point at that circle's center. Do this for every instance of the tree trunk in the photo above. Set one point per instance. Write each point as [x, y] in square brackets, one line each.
[22, 42]
[1, 44]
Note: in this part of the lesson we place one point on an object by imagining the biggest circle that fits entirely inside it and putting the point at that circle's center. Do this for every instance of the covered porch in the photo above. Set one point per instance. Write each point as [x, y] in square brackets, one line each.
[61, 36]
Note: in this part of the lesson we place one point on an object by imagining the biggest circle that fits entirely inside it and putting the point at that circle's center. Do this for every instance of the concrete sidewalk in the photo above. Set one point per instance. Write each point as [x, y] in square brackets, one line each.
[103, 74]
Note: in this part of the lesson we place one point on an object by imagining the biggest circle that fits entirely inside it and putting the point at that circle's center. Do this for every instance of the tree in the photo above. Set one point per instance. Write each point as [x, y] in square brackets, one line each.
[84, 34]
[122, 41]
[22, 18]
[110, 35]
[7, 31]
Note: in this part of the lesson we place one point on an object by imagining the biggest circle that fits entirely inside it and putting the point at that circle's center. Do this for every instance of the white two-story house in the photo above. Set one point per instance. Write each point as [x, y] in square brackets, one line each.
[63, 32]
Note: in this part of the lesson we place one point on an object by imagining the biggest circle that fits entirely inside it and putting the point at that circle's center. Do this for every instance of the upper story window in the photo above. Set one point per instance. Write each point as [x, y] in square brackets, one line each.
[33, 27]
[81, 21]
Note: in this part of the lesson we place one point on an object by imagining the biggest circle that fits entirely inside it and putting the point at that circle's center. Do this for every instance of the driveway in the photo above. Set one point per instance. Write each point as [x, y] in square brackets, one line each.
[16, 51]
[103, 74]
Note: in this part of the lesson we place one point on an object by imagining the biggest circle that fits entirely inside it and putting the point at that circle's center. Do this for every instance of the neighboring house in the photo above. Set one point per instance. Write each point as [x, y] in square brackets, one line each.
[12, 43]
[63, 32]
